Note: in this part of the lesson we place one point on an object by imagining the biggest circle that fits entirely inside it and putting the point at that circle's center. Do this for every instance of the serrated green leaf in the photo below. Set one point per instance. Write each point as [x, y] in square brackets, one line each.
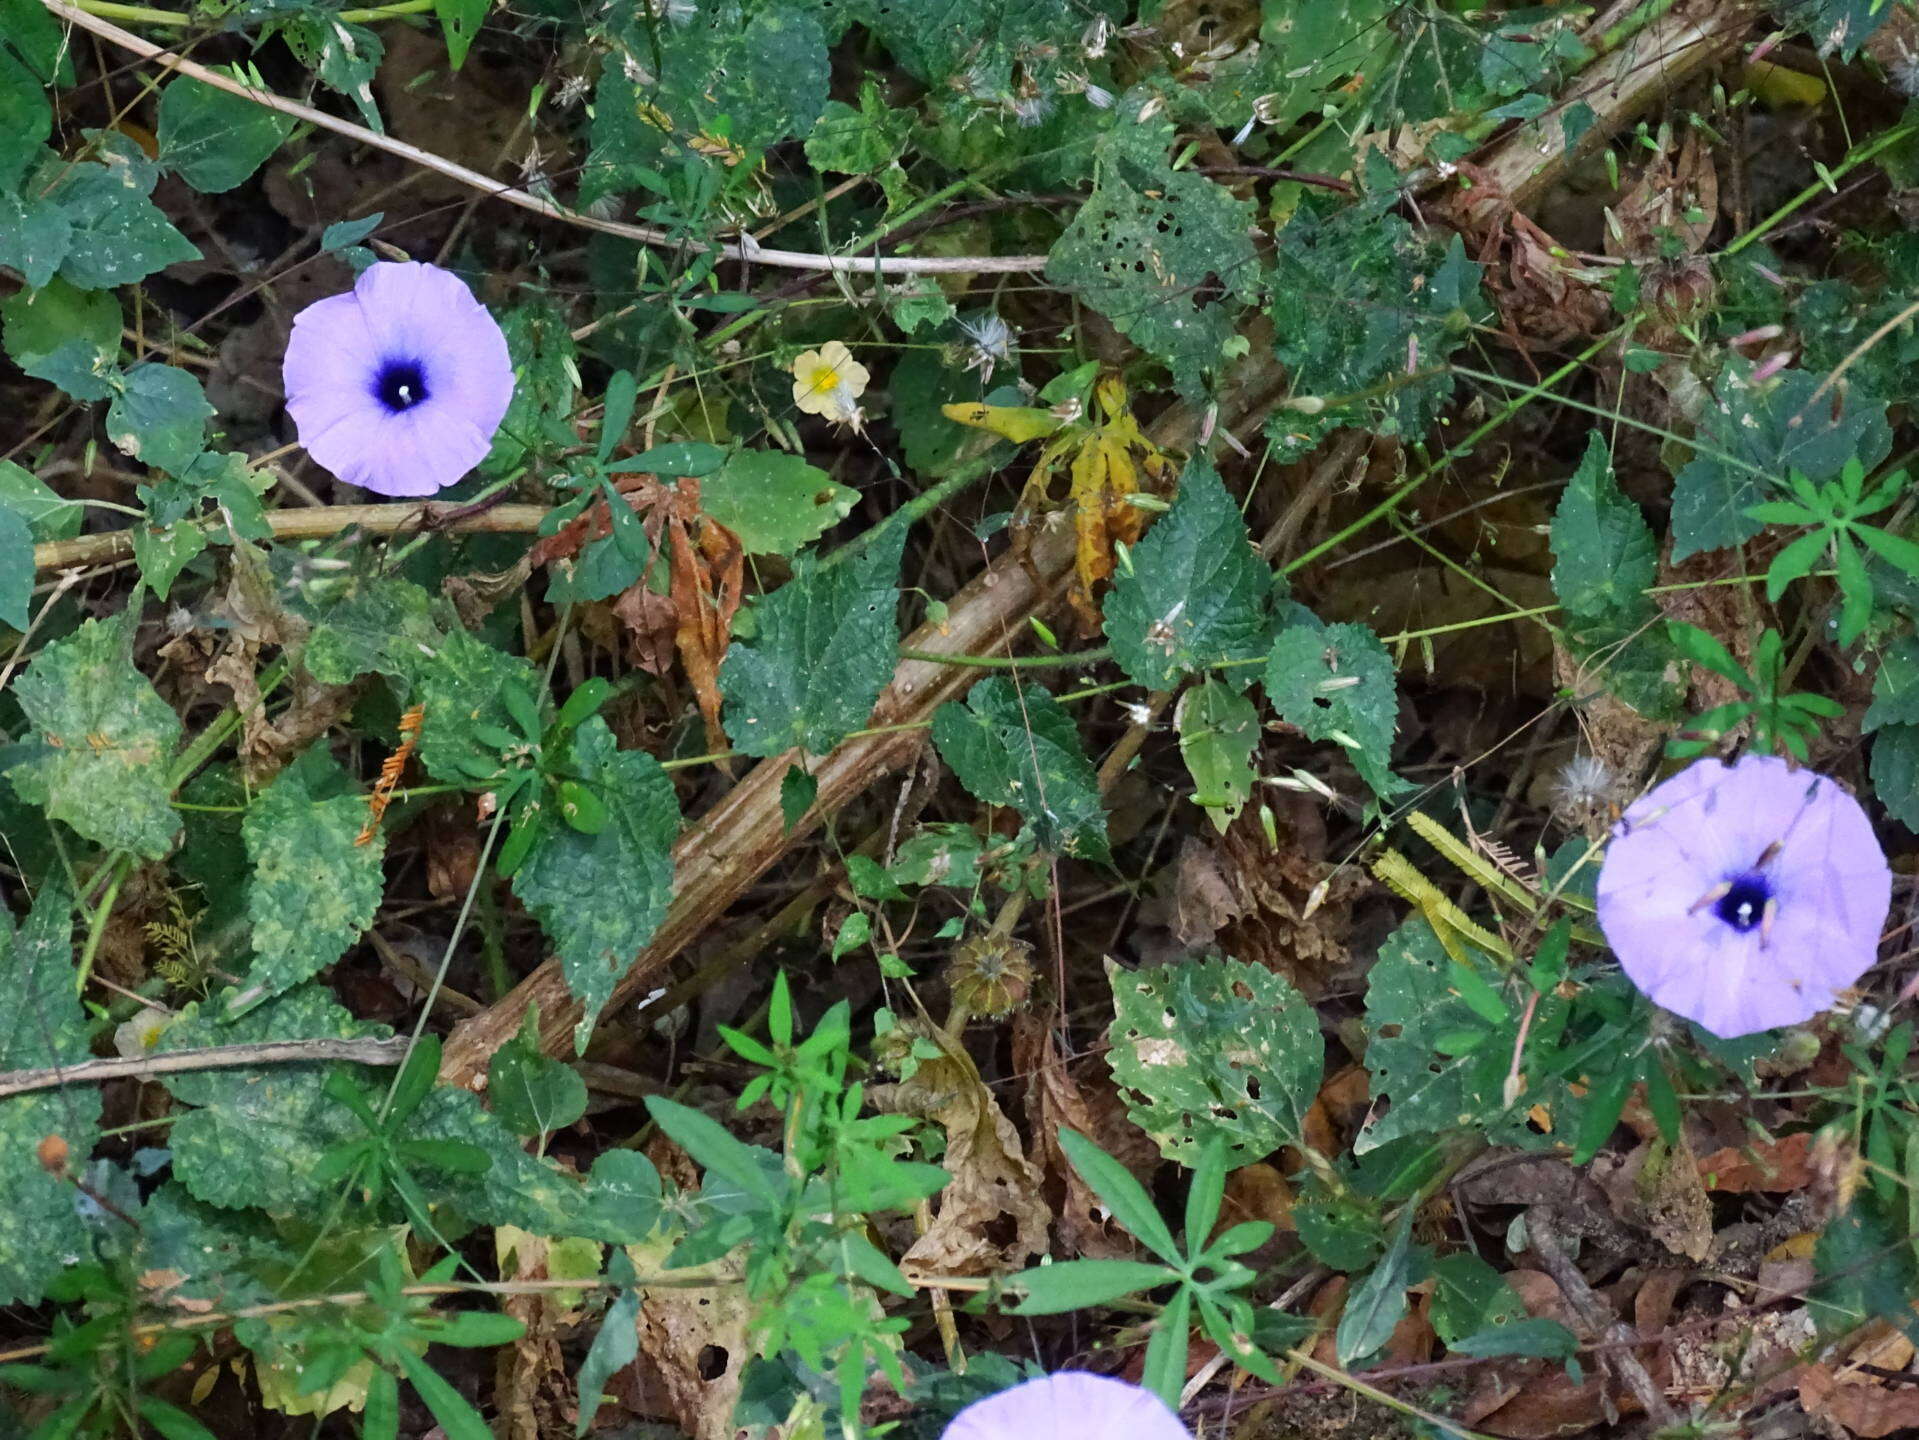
[159, 417]
[162, 552]
[41, 1024]
[823, 650]
[1895, 771]
[1895, 688]
[369, 622]
[1768, 431]
[214, 140]
[312, 889]
[107, 738]
[1195, 595]
[35, 233]
[1604, 554]
[1214, 1048]
[1015, 745]
[775, 502]
[1337, 683]
[1144, 256]
[546, 384]
[600, 897]
[118, 236]
[460, 682]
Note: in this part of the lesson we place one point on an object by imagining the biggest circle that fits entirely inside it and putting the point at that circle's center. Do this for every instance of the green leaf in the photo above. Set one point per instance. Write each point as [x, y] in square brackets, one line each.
[1838, 27]
[1769, 431]
[49, 515]
[162, 552]
[457, 1417]
[1015, 745]
[774, 502]
[1604, 554]
[170, 1421]
[65, 335]
[798, 791]
[106, 738]
[614, 1348]
[256, 1137]
[749, 78]
[546, 384]
[35, 233]
[41, 1024]
[1082, 1284]
[118, 235]
[1469, 1296]
[1337, 683]
[159, 417]
[823, 651]
[16, 568]
[214, 140]
[1378, 1302]
[1864, 1269]
[1169, 260]
[851, 141]
[367, 622]
[1895, 688]
[1218, 733]
[513, 1188]
[345, 56]
[712, 1148]
[532, 1093]
[313, 889]
[1545, 1339]
[600, 897]
[1411, 1002]
[1214, 1049]
[461, 21]
[1123, 1195]
[1895, 771]
[1195, 595]
[461, 681]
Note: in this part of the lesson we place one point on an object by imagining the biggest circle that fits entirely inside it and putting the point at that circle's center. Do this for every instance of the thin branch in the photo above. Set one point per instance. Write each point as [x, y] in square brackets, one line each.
[215, 1057]
[313, 522]
[745, 248]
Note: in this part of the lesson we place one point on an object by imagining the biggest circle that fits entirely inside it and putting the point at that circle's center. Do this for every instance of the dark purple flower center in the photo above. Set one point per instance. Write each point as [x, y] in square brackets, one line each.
[399, 385]
[1743, 905]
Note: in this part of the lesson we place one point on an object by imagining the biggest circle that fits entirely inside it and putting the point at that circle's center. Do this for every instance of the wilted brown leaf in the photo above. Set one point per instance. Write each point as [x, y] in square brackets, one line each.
[1773, 1166]
[1054, 1102]
[694, 1342]
[1862, 1405]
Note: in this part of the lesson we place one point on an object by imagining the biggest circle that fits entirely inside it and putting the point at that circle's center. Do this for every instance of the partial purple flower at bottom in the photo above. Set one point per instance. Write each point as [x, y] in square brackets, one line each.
[398, 385]
[1072, 1405]
[1744, 897]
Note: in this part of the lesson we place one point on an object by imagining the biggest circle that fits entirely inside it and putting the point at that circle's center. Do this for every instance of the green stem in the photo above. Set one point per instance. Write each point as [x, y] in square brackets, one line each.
[1012, 662]
[117, 867]
[1821, 187]
[180, 20]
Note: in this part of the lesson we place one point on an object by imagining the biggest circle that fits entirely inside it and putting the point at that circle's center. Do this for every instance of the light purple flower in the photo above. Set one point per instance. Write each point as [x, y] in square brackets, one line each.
[1072, 1405]
[1744, 896]
[399, 385]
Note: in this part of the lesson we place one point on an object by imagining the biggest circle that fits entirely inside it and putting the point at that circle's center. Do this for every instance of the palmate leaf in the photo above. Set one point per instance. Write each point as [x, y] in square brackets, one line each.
[822, 652]
[41, 1024]
[1195, 595]
[1211, 1049]
[600, 897]
[313, 889]
[107, 737]
[1015, 745]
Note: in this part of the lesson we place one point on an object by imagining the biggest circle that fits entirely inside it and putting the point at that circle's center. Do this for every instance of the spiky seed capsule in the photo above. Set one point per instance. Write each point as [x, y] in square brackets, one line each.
[991, 975]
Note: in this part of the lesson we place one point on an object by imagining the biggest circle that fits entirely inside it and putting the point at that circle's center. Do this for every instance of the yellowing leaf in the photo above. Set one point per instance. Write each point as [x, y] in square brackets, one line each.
[1018, 423]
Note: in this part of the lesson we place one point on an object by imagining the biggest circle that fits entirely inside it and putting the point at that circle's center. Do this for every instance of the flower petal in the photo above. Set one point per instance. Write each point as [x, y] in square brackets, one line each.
[1072, 1405]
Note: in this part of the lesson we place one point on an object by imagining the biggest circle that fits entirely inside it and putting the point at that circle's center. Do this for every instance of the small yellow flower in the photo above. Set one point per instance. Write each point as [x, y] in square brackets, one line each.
[829, 381]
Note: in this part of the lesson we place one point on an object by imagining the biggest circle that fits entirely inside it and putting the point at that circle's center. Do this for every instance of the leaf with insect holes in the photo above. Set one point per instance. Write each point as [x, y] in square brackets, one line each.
[600, 897]
[1214, 1048]
[1336, 683]
[1015, 745]
[312, 889]
[118, 236]
[1769, 430]
[41, 1024]
[105, 739]
[823, 651]
[1166, 257]
[1218, 733]
[461, 682]
[1195, 595]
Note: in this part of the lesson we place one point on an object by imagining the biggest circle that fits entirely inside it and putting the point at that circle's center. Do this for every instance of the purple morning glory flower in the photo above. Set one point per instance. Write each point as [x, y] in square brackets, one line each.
[399, 385]
[1072, 1405]
[1744, 896]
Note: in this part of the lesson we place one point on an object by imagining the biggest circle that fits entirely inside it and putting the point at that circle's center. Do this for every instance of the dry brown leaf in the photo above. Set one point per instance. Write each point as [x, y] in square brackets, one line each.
[1772, 1166]
[1675, 197]
[1287, 921]
[1203, 902]
[1257, 1192]
[1672, 1201]
[993, 1181]
[1054, 1102]
[694, 1341]
[1859, 1404]
[529, 1374]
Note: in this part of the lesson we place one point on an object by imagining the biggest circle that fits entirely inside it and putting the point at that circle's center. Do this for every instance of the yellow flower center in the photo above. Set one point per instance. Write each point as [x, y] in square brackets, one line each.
[826, 378]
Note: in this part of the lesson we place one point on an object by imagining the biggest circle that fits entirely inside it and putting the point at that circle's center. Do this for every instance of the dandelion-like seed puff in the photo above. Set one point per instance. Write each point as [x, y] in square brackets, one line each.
[1072, 1405]
[829, 381]
[398, 385]
[1744, 897]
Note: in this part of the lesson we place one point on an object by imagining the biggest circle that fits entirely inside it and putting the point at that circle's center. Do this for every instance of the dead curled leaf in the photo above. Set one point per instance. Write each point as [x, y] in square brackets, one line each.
[1056, 1099]
[1858, 1403]
[693, 1342]
[993, 1181]
[1771, 1166]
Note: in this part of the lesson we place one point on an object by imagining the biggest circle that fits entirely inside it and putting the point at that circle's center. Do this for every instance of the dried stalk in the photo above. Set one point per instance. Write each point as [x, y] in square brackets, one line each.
[215, 1057]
